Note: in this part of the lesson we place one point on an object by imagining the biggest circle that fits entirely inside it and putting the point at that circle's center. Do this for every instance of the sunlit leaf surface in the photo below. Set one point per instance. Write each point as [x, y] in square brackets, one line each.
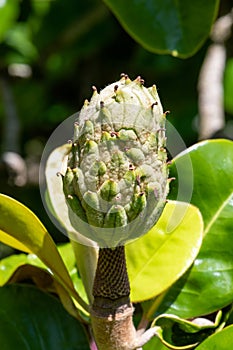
[156, 260]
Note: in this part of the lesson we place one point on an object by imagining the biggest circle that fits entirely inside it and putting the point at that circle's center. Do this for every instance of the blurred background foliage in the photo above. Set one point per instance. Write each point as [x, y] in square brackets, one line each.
[53, 51]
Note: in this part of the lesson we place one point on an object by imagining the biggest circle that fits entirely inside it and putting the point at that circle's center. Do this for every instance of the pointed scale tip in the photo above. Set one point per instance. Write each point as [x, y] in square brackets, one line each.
[166, 113]
[95, 91]
[154, 89]
[140, 81]
[125, 78]
[170, 179]
[86, 103]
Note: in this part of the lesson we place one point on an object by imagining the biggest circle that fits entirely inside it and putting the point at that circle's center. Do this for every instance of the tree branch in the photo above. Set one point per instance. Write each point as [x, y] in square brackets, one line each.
[210, 85]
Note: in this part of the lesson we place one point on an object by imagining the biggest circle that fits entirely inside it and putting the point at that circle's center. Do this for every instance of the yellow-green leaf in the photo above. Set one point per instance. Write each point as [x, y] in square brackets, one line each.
[156, 260]
[12, 242]
[21, 224]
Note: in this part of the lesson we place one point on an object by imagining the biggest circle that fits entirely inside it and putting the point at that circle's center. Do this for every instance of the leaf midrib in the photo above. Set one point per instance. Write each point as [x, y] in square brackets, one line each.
[217, 214]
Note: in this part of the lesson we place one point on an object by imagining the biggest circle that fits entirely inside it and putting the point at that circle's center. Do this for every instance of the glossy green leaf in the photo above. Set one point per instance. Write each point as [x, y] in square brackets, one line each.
[32, 319]
[219, 341]
[19, 223]
[177, 333]
[156, 260]
[167, 27]
[228, 86]
[155, 344]
[9, 265]
[207, 286]
[12, 242]
[44, 280]
[86, 261]
[68, 255]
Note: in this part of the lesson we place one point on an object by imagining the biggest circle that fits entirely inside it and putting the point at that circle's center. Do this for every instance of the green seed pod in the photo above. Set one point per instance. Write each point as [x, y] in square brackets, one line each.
[116, 168]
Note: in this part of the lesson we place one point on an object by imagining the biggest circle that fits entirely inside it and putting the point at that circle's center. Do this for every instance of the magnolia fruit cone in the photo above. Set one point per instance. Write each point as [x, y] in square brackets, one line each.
[116, 179]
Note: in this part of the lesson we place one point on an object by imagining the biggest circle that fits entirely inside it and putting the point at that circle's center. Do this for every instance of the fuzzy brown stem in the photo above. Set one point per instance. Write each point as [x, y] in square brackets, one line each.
[113, 326]
[112, 311]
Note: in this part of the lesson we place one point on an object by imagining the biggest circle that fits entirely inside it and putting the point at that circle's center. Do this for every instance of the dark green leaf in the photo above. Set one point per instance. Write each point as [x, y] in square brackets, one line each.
[219, 341]
[175, 27]
[17, 268]
[230, 318]
[31, 319]
[207, 286]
